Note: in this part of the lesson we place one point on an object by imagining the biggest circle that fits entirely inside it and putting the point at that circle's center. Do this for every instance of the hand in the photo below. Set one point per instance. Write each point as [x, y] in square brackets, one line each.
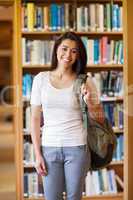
[40, 166]
[89, 91]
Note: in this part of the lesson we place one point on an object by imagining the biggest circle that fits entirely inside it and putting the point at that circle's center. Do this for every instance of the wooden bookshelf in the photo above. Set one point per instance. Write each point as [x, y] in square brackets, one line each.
[117, 163]
[33, 69]
[13, 189]
[95, 1]
[105, 197]
[39, 32]
[98, 66]
[7, 180]
[118, 131]
[6, 12]
[101, 197]
[7, 111]
[16, 110]
[80, 1]
[128, 120]
[6, 127]
[36, 66]
[5, 53]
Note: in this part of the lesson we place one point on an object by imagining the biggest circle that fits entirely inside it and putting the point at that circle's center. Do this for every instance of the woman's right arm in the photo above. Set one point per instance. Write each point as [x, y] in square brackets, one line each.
[36, 140]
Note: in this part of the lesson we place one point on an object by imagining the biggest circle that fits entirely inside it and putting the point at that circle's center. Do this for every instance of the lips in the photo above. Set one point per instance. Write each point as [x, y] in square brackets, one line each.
[67, 60]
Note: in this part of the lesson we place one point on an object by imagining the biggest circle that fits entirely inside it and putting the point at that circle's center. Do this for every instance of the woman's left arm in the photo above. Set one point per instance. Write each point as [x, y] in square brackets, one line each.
[92, 100]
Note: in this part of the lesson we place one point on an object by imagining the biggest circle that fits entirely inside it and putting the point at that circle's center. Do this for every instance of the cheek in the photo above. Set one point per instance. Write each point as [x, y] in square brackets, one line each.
[75, 57]
[58, 54]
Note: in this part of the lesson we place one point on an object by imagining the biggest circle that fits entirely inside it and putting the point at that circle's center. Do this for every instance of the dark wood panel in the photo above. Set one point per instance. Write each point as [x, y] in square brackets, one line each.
[6, 13]
[5, 35]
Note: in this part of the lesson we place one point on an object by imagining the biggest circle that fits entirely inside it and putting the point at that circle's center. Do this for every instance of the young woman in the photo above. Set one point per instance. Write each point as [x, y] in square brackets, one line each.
[60, 153]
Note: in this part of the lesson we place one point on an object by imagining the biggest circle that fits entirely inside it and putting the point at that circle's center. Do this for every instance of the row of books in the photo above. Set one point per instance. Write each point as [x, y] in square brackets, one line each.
[108, 83]
[27, 118]
[96, 183]
[103, 50]
[27, 85]
[119, 152]
[101, 182]
[66, 16]
[36, 52]
[114, 112]
[33, 186]
[99, 51]
[29, 157]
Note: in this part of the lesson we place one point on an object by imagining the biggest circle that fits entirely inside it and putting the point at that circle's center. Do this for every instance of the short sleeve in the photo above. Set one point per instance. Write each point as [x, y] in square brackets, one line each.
[36, 91]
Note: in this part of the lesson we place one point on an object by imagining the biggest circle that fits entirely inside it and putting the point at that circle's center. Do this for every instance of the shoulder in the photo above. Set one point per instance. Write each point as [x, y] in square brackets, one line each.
[41, 76]
[40, 79]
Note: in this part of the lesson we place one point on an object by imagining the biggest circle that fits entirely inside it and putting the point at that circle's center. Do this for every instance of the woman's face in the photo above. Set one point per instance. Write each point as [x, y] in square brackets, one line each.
[67, 53]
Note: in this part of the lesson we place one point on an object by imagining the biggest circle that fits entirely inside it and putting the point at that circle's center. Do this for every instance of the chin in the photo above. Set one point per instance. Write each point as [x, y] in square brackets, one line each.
[68, 64]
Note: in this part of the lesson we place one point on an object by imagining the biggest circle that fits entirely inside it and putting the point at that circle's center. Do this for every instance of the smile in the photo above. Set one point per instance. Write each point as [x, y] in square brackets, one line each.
[66, 60]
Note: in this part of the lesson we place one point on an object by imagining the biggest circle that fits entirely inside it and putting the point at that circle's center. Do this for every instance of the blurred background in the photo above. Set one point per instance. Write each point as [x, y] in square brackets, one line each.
[7, 144]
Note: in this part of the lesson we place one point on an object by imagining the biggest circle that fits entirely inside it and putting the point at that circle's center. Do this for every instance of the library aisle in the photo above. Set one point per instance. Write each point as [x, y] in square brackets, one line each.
[30, 26]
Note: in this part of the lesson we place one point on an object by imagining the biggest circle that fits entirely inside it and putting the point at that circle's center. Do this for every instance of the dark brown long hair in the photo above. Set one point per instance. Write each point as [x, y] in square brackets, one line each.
[80, 64]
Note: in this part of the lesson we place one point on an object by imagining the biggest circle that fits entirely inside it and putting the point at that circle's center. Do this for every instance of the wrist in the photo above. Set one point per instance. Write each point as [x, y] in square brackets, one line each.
[38, 153]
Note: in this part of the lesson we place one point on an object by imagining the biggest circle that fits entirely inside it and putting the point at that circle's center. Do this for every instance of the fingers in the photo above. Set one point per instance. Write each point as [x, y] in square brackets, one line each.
[44, 168]
[90, 94]
[91, 85]
[83, 89]
[41, 168]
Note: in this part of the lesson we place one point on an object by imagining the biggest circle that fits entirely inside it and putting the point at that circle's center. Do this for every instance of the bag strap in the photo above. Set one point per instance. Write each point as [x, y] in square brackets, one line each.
[77, 90]
[84, 110]
[81, 78]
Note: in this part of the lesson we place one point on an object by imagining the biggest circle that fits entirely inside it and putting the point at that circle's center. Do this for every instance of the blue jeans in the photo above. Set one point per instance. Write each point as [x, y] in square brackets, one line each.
[66, 167]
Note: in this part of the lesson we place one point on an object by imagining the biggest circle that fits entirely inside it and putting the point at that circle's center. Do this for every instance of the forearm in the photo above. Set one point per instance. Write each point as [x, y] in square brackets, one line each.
[96, 112]
[35, 135]
[95, 107]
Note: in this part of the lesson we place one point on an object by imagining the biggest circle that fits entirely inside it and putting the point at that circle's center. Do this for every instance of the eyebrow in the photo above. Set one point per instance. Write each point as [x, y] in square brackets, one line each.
[68, 47]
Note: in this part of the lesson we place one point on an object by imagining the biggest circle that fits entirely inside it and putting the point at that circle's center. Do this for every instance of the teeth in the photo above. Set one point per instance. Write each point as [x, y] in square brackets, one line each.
[66, 60]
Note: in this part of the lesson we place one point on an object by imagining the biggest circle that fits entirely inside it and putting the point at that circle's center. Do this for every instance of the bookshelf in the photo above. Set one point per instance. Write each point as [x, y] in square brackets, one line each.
[11, 60]
[7, 105]
[128, 24]
[32, 67]
[11, 159]
[105, 197]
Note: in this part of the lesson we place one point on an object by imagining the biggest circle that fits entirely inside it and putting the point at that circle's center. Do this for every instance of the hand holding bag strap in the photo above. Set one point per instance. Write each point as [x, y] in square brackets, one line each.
[77, 90]
[101, 140]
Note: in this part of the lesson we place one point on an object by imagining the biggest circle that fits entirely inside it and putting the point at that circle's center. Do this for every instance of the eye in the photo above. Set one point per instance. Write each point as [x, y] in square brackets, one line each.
[74, 51]
[64, 48]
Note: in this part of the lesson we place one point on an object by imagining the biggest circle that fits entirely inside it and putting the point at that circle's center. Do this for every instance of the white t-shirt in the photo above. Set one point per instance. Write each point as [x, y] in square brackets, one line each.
[61, 111]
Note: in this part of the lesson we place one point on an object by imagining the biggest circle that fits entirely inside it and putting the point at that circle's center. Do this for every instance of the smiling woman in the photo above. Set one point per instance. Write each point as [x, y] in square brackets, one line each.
[61, 155]
[67, 53]
[75, 44]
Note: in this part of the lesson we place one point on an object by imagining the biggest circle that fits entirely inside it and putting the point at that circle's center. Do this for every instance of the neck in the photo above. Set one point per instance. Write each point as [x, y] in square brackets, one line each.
[60, 73]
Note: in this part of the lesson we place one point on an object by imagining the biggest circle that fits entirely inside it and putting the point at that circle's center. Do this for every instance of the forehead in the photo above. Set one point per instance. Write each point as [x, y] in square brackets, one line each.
[69, 43]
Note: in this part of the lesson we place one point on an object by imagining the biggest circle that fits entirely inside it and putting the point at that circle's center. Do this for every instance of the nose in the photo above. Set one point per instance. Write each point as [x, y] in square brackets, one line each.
[68, 53]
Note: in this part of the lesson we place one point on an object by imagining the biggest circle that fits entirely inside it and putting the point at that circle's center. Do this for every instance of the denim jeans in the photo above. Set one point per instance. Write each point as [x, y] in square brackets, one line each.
[66, 167]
